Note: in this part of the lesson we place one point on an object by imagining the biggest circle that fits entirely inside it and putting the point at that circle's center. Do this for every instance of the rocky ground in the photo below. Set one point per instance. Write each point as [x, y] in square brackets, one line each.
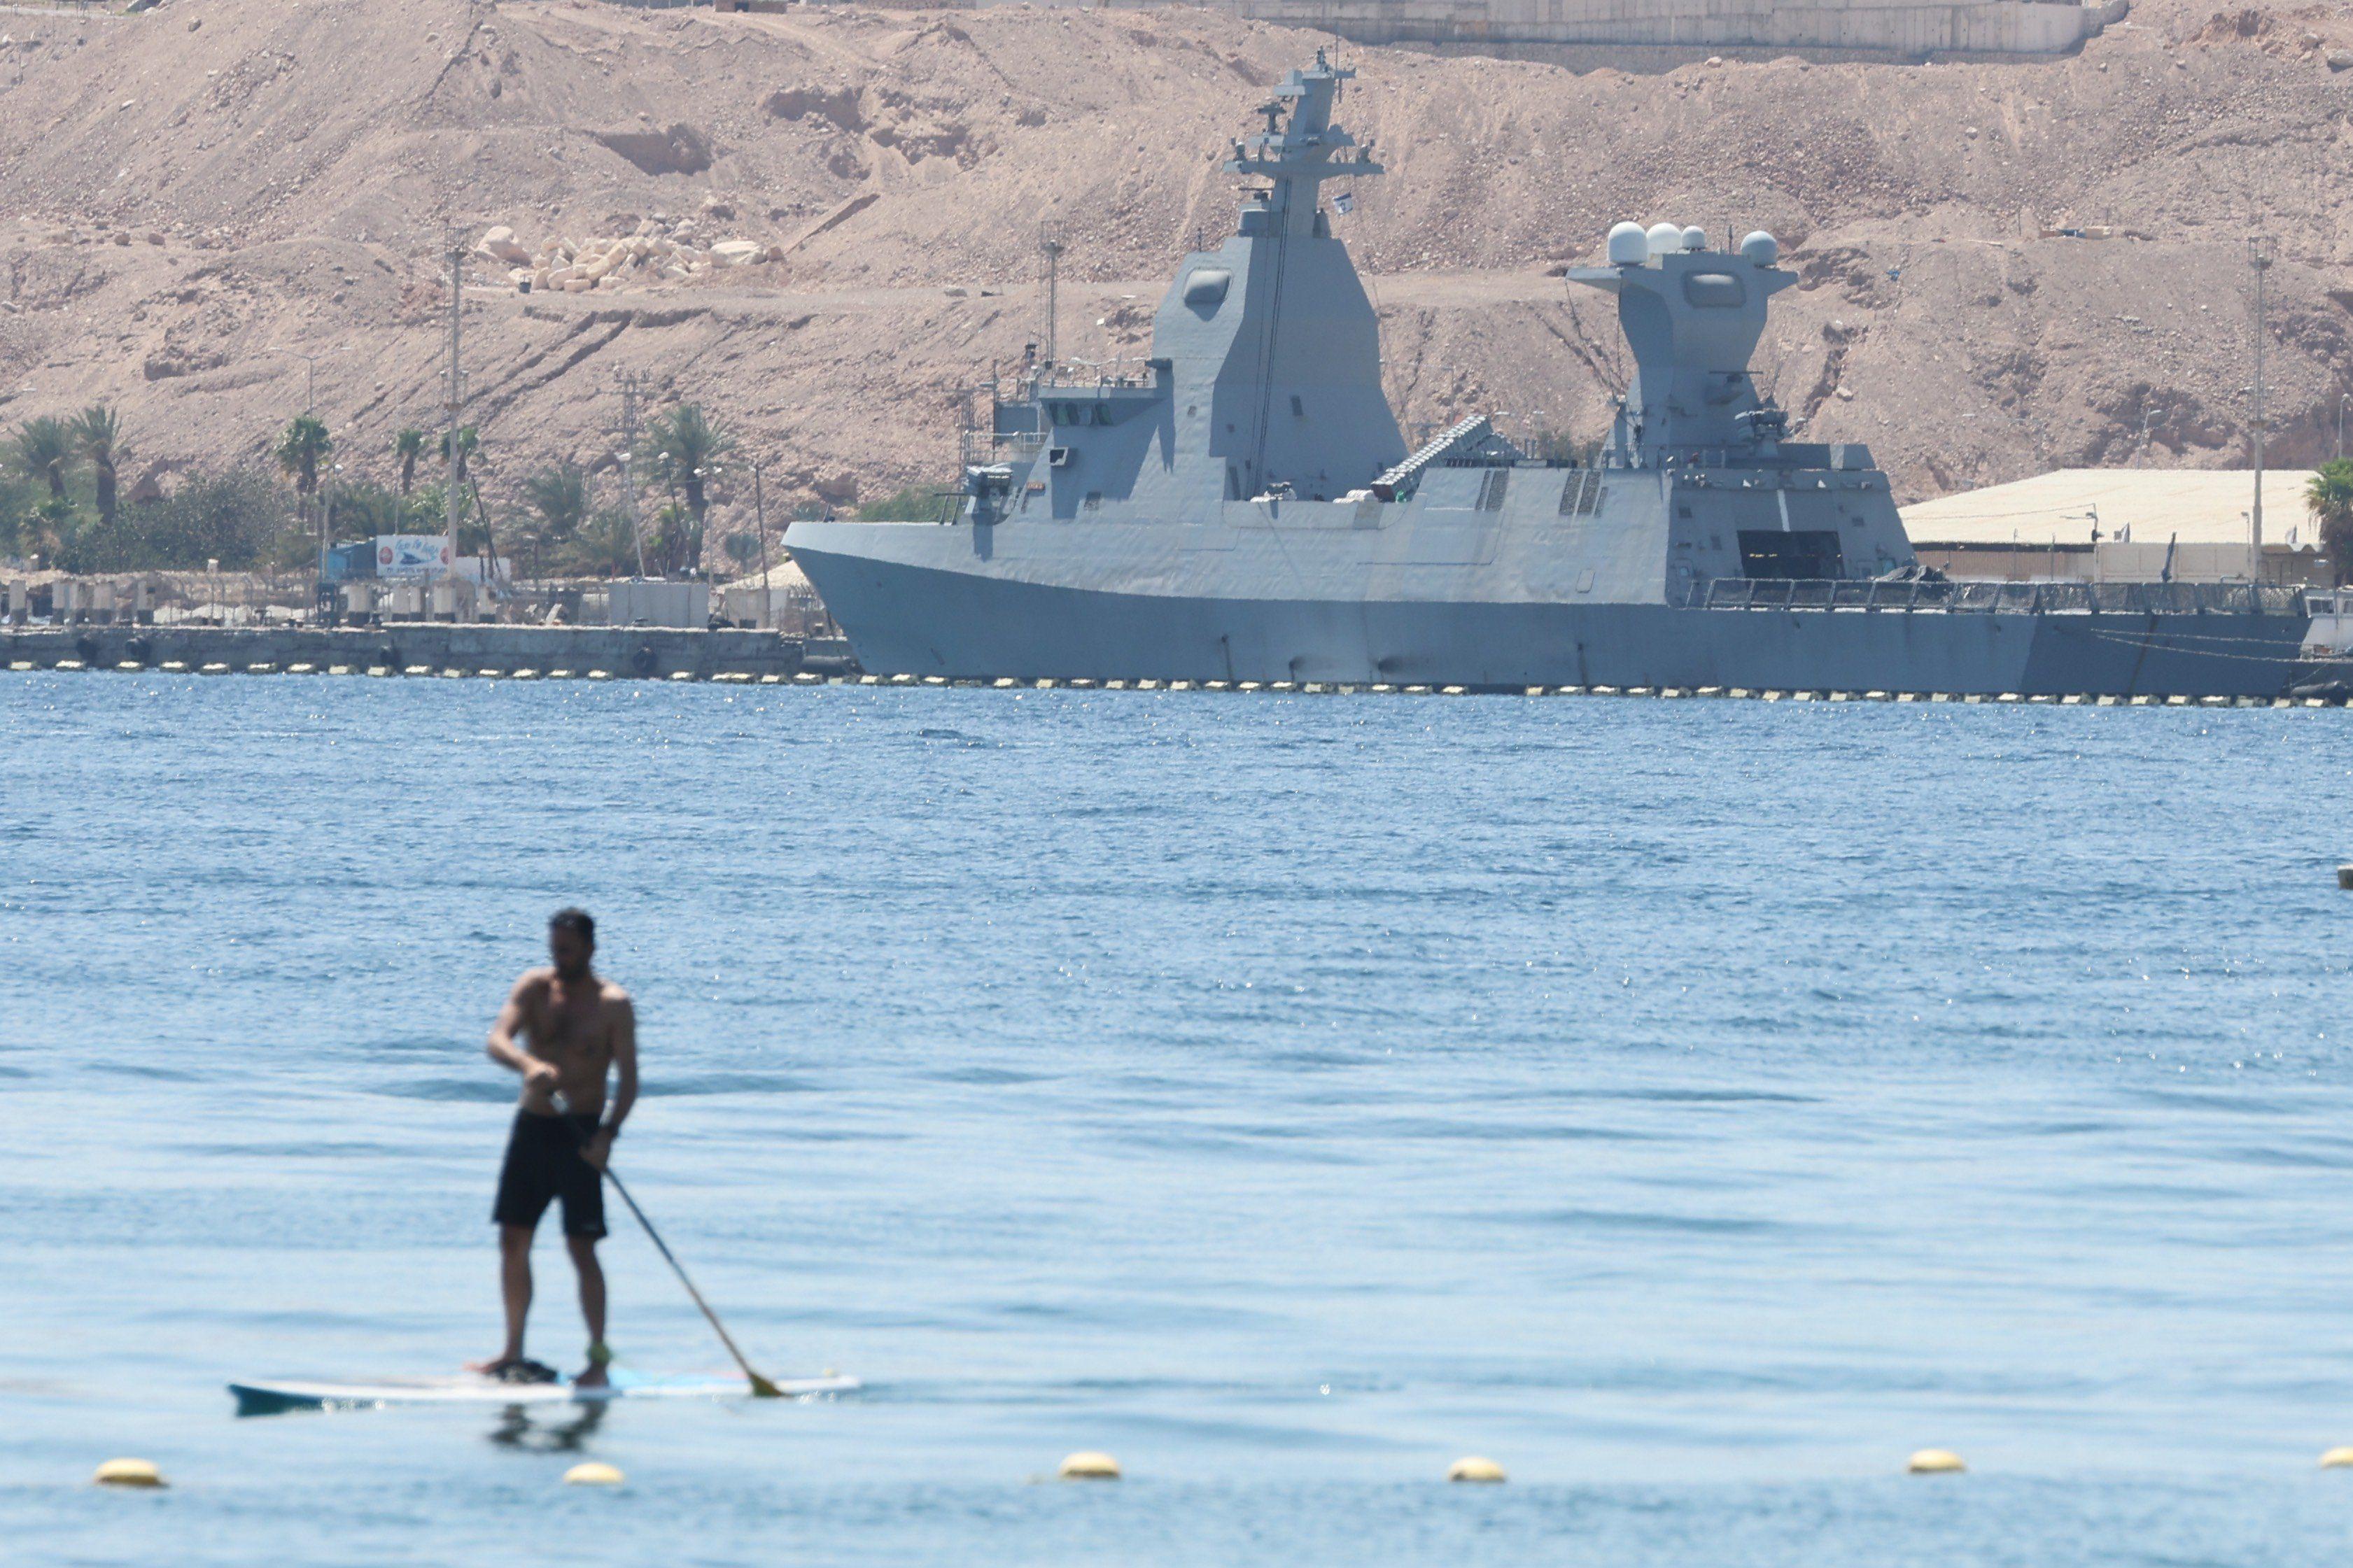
[192, 198]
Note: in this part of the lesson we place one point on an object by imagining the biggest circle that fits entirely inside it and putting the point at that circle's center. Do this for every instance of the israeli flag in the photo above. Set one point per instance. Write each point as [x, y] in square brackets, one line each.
[1344, 201]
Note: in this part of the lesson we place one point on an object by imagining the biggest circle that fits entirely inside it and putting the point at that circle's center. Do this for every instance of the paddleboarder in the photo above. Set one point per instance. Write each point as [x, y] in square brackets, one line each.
[580, 1029]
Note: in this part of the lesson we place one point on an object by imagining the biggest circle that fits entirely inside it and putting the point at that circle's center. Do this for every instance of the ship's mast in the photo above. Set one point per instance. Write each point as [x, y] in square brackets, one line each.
[1050, 241]
[2261, 264]
[1298, 151]
[1299, 155]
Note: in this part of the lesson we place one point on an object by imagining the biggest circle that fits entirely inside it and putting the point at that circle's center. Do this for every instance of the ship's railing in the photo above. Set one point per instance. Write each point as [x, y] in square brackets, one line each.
[2013, 598]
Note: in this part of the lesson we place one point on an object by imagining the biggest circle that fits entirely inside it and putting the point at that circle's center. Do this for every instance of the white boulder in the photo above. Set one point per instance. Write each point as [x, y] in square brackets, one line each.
[501, 244]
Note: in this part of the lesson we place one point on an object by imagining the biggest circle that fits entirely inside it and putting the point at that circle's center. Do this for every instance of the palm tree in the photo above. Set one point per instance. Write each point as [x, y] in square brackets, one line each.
[301, 449]
[692, 445]
[408, 445]
[98, 436]
[469, 442]
[2329, 495]
[606, 546]
[45, 449]
[558, 499]
[364, 507]
[671, 538]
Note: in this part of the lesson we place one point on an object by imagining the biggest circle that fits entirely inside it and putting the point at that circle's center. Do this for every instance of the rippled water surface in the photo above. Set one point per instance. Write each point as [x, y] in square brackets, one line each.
[1695, 1105]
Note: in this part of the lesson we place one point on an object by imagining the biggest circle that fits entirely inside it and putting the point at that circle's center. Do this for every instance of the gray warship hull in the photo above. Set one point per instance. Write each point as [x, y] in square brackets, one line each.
[1241, 505]
[911, 607]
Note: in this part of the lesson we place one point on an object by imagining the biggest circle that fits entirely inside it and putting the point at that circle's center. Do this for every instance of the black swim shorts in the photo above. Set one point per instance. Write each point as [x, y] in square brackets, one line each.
[544, 1164]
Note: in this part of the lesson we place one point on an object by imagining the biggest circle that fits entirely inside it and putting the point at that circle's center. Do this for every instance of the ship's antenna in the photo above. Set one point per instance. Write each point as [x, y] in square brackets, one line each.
[1049, 240]
[2260, 261]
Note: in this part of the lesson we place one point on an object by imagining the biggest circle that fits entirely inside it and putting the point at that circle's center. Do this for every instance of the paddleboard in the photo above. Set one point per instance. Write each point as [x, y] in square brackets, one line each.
[267, 1398]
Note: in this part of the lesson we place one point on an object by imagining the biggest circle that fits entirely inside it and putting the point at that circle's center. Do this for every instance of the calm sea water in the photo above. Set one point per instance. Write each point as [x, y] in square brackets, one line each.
[1695, 1107]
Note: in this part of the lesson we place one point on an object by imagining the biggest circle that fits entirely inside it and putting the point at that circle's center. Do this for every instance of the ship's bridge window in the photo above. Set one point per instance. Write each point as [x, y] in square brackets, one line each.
[1078, 414]
[1714, 288]
[1808, 554]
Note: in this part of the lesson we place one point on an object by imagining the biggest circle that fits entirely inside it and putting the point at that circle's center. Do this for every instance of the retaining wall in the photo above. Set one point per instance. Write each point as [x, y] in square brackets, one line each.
[1895, 29]
[641, 652]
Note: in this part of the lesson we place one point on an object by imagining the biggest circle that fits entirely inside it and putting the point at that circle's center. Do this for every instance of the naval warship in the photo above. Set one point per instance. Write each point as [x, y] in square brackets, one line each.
[1243, 508]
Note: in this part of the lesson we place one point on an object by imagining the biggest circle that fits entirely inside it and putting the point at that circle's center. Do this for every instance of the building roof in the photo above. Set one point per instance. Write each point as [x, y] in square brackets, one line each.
[2149, 506]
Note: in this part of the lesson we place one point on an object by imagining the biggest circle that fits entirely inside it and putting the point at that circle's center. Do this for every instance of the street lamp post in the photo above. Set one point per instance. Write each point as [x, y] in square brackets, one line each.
[310, 359]
[760, 515]
[320, 599]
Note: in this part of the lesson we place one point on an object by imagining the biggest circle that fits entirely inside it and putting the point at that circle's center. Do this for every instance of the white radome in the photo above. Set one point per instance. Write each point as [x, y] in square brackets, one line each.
[1629, 246]
[1665, 238]
[1694, 238]
[1761, 248]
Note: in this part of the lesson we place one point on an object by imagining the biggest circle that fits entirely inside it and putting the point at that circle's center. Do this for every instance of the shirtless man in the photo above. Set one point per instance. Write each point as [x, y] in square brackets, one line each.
[580, 1029]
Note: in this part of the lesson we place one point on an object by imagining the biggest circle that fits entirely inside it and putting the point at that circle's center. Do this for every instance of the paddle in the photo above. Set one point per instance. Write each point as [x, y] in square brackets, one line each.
[761, 1387]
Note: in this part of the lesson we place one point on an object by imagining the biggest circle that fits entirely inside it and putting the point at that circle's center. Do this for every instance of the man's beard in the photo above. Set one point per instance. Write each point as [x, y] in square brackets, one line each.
[573, 971]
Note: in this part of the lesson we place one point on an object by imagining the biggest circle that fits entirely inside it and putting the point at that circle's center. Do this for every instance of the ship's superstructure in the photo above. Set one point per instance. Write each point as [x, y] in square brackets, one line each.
[1243, 507]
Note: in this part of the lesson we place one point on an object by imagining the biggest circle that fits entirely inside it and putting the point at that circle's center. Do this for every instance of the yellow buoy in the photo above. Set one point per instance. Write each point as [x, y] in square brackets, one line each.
[1087, 1465]
[129, 1473]
[595, 1473]
[2338, 1458]
[1935, 1462]
[1472, 1467]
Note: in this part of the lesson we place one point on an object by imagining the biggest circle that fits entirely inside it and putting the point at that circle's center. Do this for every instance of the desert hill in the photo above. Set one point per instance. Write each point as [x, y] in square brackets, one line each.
[191, 198]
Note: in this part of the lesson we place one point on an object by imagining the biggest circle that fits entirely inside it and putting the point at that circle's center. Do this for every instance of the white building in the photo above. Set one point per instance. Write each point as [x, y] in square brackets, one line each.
[2123, 524]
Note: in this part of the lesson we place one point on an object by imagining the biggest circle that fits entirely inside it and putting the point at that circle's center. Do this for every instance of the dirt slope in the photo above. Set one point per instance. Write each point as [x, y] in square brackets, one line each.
[287, 171]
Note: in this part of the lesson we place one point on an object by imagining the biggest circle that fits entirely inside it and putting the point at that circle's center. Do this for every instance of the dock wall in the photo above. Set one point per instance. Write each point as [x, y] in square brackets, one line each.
[619, 652]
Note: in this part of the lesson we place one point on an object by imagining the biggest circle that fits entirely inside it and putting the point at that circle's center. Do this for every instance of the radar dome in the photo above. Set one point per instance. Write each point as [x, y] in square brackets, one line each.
[1761, 248]
[1629, 246]
[1694, 238]
[1665, 238]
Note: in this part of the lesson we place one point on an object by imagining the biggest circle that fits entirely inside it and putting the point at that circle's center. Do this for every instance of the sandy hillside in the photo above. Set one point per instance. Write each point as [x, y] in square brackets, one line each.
[286, 173]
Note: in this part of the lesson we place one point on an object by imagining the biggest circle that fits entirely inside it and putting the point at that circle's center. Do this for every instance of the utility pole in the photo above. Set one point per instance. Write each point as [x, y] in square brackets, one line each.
[457, 402]
[629, 464]
[2261, 264]
[1049, 240]
[760, 513]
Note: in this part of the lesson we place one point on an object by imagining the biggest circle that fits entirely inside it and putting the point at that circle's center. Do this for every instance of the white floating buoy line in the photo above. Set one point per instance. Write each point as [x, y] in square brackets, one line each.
[1088, 1465]
[129, 1473]
[1477, 1469]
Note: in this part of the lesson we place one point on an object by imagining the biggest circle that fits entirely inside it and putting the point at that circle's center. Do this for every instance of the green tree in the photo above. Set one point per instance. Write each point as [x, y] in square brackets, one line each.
[363, 508]
[2329, 494]
[692, 445]
[742, 548]
[98, 437]
[45, 449]
[423, 512]
[301, 450]
[604, 547]
[469, 444]
[54, 530]
[668, 535]
[238, 518]
[408, 445]
[16, 507]
[558, 499]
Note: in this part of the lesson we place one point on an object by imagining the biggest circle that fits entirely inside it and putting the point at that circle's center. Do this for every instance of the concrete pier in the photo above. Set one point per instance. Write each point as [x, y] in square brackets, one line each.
[645, 653]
